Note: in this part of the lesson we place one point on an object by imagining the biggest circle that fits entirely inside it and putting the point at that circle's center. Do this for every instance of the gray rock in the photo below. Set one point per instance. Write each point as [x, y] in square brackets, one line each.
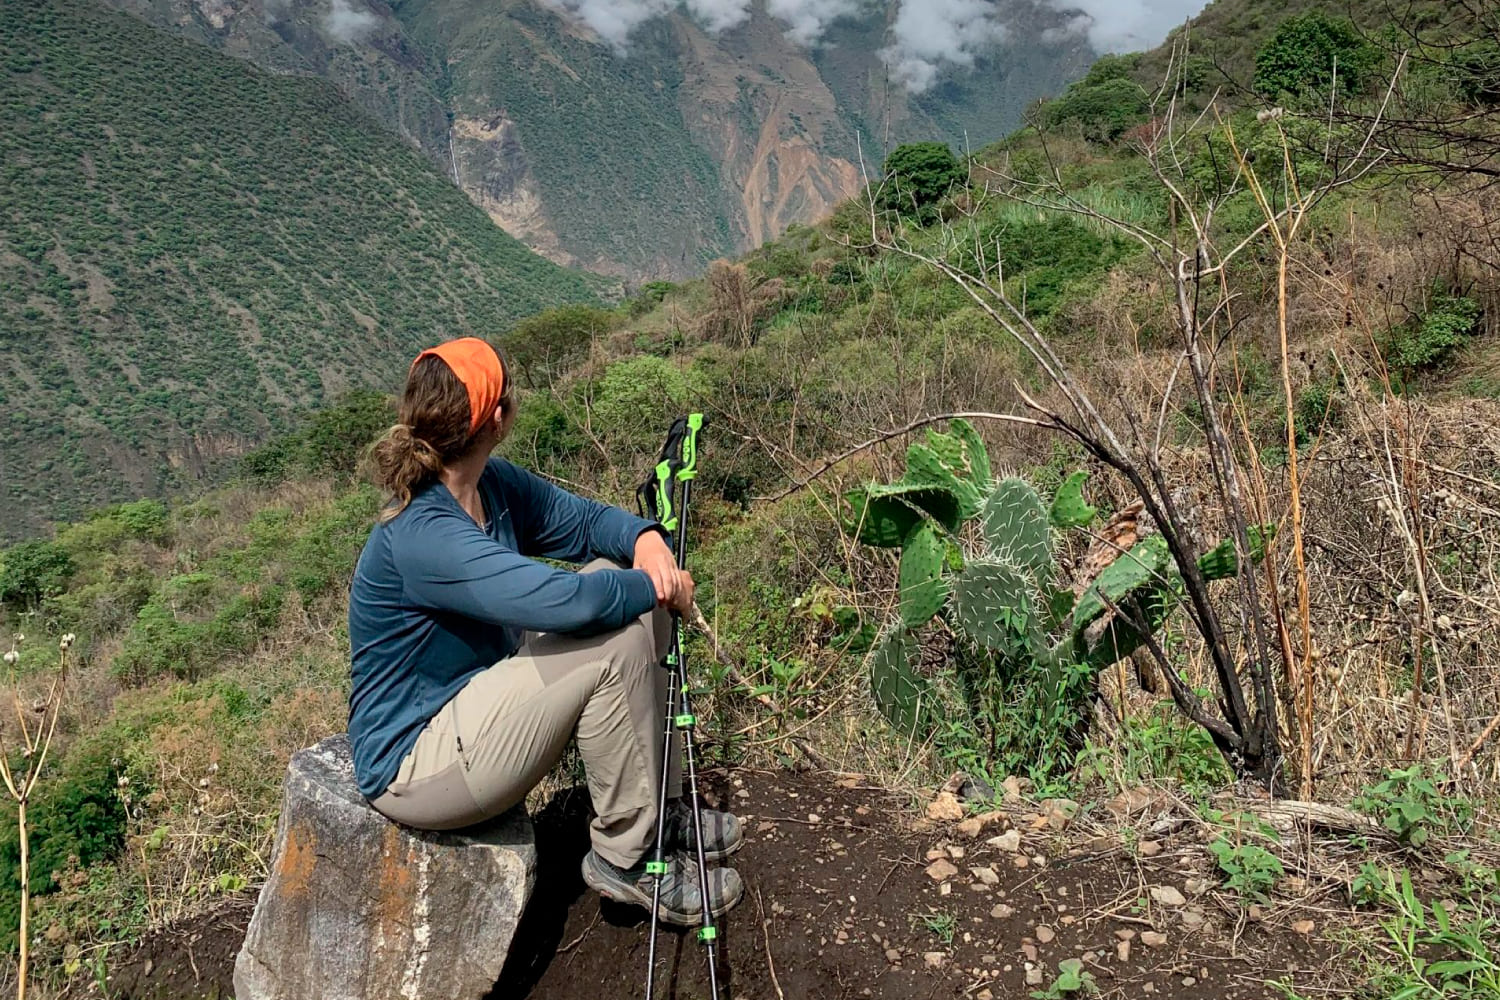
[359, 908]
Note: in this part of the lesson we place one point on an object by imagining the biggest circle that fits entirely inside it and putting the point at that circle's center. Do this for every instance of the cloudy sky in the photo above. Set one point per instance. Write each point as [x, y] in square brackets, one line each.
[927, 38]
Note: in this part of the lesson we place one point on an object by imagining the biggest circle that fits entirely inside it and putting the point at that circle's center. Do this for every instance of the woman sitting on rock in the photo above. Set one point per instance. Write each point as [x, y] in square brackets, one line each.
[473, 663]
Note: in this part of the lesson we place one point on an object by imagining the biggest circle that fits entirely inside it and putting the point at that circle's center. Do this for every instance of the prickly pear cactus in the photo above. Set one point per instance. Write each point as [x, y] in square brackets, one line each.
[924, 591]
[1015, 525]
[1221, 563]
[1144, 566]
[1069, 509]
[993, 605]
[1020, 619]
[901, 694]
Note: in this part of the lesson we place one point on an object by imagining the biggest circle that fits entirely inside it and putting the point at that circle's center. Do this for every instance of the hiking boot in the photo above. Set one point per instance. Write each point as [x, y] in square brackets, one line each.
[722, 835]
[681, 902]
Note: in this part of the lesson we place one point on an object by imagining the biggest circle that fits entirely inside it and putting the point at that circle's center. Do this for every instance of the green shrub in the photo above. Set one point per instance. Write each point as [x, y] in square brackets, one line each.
[1408, 804]
[1429, 343]
[1249, 869]
[192, 622]
[544, 433]
[335, 438]
[1102, 110]
[542, 347]
[323, 558]
[637, 398]
[1307, 51]
[30, 571]
[918, 175]
[77, 813]
[1478, 72]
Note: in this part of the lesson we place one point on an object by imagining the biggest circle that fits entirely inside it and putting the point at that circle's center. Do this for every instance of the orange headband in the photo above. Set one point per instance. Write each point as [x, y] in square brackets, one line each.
[478, 367]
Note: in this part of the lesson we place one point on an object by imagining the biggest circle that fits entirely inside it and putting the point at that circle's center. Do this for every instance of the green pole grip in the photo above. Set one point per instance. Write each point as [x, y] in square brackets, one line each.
[689, 468]
[664, 496]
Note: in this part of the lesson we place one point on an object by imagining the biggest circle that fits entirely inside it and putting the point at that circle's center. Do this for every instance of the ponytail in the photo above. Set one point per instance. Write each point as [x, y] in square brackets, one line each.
[433, 431]
[401, 464]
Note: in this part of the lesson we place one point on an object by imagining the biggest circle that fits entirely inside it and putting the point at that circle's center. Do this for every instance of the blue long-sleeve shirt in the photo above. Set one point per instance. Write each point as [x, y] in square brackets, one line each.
[436, 599]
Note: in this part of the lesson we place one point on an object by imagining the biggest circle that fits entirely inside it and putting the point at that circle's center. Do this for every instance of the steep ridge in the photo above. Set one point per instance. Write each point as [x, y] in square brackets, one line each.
[192, 250]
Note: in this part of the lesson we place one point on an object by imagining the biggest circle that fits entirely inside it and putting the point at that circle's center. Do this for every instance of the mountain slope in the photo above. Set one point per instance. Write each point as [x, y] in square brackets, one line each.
[644, 163]
[192, 250]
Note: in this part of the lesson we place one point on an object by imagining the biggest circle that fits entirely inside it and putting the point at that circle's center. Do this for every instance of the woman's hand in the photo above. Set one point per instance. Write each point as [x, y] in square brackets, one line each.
[674, 587]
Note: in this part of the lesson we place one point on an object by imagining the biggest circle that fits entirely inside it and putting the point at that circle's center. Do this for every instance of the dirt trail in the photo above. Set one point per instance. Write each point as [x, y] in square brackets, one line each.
[844, 900]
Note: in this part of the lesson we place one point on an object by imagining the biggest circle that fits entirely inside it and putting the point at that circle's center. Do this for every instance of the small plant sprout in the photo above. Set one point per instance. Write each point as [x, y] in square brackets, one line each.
[1072, 981]
[35, 740]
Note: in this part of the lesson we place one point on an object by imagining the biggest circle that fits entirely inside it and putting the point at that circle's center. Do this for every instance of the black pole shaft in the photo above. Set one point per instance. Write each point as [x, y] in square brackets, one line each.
[661, 824]
[690, 748]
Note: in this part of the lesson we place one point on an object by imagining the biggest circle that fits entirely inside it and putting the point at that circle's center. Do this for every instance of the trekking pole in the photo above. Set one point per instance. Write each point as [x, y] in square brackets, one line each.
[678, 467]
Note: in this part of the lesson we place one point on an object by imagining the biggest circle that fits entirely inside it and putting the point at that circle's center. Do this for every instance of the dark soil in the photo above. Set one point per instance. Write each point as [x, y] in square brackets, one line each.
[840, 902]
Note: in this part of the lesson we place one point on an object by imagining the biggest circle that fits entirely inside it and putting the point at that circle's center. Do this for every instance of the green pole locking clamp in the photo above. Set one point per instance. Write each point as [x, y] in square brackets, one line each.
[689, 468]
[707, 934]
[656, 867]
[685, 721]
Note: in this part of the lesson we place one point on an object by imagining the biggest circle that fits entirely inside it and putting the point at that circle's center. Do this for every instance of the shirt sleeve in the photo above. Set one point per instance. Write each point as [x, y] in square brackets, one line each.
[561, 525]
[447, 564]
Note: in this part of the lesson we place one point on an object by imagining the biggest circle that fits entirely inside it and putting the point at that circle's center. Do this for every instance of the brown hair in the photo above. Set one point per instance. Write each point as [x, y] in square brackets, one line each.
[433, 430]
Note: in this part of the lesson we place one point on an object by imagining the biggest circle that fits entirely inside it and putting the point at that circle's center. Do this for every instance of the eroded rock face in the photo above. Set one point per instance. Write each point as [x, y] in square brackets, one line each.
[359, 908]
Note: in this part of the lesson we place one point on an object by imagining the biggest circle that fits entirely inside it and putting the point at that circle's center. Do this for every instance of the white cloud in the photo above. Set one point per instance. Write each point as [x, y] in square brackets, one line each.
[806, 20]
[719, 15]
[345, 24]
[1126, 25]
[926, 38]
[613, 20]
[931, 35]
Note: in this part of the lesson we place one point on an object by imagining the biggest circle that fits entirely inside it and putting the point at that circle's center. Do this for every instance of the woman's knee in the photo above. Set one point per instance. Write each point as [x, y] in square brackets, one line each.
[634, 649]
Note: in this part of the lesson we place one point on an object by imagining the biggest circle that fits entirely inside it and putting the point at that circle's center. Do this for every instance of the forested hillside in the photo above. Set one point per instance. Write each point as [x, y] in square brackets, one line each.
[192, 250]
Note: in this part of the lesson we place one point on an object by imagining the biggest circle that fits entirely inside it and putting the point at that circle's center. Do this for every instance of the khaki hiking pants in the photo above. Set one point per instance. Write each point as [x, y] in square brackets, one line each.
[500, 735]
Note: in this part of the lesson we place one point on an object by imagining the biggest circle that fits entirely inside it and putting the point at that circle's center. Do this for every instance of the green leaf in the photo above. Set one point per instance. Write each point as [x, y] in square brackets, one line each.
[1015, 524]
[1070, 975]
[1069, 509]
[900, 692]
[924, 591]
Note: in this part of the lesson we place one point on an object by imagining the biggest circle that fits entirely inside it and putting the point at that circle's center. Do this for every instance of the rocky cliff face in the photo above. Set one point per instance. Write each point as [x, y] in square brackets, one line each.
[643, 163]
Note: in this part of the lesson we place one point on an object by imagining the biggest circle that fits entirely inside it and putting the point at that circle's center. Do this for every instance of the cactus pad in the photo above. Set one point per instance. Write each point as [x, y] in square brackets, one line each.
[1069, 509]
[925, 468]
[900, 692]
[975, 455]
[882, 521]
[1015, 524]
[993, 605]
[1221, 562]
[1121, 636]
[1145, 565]
[923, 588]
[883, 514]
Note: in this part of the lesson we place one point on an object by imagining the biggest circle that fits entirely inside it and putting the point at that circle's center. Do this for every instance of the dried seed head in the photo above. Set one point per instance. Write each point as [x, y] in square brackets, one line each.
[66, 641]
[1405, 598]
[12, 656]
